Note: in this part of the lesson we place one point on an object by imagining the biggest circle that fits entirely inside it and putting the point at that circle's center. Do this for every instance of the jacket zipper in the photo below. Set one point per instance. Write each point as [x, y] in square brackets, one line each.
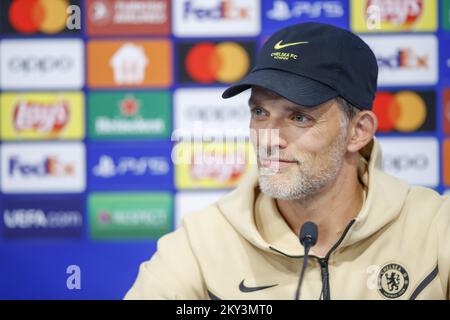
[324, 265]
[325, 294]
[325, 278]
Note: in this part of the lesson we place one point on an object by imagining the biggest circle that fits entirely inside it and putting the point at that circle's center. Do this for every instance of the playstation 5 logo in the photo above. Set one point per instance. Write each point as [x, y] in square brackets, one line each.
[107, 167]
[305, 9]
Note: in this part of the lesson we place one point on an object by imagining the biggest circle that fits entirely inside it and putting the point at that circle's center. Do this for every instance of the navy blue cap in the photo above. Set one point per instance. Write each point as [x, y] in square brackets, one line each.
[311, 63]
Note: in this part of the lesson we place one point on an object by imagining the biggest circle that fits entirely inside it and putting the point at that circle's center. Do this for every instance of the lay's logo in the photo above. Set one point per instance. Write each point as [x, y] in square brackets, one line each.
[393, 15]
[211, 165]
[399, 12]
[42, 116]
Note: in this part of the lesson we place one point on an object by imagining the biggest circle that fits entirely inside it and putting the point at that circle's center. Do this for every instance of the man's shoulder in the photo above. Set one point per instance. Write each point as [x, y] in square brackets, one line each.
[414, 193]
[426, 203]
[230, 208]
[208, 218]
[205, 215]
[198, 228]
[418, 201]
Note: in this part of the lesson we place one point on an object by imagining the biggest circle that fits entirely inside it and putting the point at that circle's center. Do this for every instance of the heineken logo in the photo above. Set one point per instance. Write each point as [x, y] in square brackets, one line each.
[129, 115]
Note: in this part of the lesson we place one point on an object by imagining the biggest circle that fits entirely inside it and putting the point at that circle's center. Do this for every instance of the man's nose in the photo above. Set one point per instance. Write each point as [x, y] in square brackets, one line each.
[270, 138]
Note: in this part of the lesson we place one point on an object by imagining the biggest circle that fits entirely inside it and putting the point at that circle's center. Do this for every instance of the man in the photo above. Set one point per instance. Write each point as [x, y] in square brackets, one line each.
[378, 238]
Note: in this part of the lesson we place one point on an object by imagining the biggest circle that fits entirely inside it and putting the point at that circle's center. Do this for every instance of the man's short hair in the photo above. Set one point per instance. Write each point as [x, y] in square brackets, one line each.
[349, 110]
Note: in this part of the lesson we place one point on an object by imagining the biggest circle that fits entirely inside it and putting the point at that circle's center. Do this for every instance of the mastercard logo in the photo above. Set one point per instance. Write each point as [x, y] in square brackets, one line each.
[446, 161]
[31, 16]
[217, 62]
[404, 111]
[446, 110]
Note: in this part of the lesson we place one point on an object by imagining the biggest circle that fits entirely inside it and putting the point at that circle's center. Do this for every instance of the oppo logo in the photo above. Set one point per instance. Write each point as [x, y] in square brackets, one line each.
[212, 113]
[40, 64]
[405, 162]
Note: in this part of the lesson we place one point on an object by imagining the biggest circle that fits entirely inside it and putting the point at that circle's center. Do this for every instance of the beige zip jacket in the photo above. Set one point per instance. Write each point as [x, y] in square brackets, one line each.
[398, 247]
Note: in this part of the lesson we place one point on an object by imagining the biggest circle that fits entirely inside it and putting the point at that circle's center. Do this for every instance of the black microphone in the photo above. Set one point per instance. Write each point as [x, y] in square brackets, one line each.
[308, 238]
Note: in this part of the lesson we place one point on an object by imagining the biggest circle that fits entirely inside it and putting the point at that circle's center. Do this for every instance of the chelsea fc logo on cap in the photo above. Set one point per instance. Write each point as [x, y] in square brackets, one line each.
[393, 280]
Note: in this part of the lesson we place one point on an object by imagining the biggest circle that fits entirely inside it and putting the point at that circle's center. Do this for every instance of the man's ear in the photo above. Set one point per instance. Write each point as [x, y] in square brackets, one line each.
[362, 130]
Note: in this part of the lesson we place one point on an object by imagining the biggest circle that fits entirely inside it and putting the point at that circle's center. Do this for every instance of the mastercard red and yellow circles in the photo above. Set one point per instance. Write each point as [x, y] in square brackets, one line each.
[224, 62]
[31, 16]
[446, 161]
[404, 111]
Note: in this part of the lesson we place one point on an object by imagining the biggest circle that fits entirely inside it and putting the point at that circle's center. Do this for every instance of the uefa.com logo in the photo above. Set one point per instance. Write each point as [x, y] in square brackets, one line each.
[233, 143]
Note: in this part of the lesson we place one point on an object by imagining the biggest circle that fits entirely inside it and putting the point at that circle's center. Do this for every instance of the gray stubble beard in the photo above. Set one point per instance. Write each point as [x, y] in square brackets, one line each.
[303, 184]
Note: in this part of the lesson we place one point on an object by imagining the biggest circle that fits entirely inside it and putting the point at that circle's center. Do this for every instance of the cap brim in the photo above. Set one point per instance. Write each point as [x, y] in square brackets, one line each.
[298, 89]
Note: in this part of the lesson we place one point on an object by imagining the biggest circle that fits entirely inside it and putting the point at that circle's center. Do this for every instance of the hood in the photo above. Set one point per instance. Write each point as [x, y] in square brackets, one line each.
[255, 215]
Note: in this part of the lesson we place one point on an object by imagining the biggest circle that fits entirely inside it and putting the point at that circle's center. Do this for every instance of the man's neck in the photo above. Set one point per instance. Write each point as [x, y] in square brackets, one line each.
[332, 209]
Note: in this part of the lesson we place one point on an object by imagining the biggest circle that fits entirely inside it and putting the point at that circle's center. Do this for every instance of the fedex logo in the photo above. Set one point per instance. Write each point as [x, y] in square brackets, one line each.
[205, 18]
[49, 166]
[43, 167]
[225, 9]
[404, 58]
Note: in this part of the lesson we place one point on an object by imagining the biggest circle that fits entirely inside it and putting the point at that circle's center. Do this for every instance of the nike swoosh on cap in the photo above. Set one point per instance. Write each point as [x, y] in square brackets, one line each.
[278, 45]
[244, 288]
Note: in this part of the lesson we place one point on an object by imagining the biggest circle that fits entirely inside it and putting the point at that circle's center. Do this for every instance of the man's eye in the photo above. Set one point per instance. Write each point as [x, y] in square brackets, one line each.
[257, 112]
[301, 118]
